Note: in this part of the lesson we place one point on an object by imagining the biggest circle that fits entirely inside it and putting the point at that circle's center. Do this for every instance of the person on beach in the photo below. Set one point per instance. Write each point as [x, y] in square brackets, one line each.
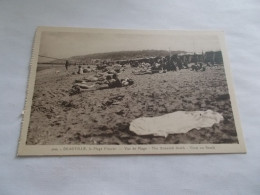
[113, 81]
[80, 70]
[66, 64]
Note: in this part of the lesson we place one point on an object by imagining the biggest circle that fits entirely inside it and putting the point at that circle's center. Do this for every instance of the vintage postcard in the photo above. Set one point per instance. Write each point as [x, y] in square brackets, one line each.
[111, 91]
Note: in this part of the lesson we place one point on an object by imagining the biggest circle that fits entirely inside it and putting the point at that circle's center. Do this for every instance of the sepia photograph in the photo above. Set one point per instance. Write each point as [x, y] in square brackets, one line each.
[108, 91]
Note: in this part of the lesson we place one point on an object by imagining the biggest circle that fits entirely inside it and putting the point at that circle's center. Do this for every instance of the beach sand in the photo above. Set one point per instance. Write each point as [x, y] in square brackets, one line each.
[103, 116]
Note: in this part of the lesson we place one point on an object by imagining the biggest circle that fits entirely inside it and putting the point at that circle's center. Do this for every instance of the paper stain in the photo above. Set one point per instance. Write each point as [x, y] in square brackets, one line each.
[176, 122]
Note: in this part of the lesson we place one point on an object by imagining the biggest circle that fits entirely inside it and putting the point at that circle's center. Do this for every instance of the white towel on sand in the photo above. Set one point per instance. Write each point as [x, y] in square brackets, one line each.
[176, 122]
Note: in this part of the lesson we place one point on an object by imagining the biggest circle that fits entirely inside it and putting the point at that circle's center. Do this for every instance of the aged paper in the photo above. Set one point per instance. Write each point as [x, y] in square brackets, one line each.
[108, 91]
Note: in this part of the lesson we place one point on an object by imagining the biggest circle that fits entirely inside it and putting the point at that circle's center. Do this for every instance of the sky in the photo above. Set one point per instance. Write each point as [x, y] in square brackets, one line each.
[67, 44]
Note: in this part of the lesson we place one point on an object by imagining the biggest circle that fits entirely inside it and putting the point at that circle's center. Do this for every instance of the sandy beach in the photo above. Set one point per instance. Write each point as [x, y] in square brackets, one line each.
[103, 116]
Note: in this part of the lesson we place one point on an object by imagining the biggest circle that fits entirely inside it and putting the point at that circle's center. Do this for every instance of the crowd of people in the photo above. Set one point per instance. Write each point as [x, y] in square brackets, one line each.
[173, 63]
[161, 64]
